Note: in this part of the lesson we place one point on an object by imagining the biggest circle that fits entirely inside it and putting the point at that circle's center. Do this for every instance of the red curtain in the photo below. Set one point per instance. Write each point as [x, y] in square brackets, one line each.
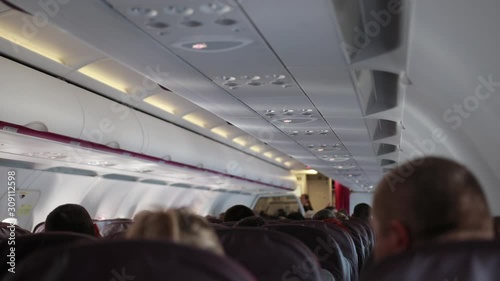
[342, 197]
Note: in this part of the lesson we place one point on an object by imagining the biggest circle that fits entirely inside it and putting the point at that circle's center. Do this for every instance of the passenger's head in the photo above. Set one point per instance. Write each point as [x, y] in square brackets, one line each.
[428, 199]
[238, 212]
[324, 215]
[71, 218]
[304, 199]
[281, 213]
[295, 216]
[251, 222]
[362, 211]
[179, 225]
[341, 216]
[497, 227]
[221, 216]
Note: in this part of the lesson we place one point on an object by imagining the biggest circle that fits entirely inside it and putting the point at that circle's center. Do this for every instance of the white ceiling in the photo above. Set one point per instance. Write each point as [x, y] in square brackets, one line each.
[285, 76]
[387, 98]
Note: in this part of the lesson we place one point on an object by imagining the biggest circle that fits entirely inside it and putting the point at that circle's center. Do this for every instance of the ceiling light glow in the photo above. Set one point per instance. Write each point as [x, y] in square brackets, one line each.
[194, 119]
[101, 163]
[47, 155]
[24, 42]
[160, 102]
[255, 148]
[240, 141]
[220, 131]
[199, 46]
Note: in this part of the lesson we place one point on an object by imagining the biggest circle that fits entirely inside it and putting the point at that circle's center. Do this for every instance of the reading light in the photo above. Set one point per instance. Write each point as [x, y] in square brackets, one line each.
[199, 46]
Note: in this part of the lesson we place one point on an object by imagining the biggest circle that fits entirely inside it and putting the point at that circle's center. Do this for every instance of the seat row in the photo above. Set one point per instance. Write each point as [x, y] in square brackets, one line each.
[326, 245]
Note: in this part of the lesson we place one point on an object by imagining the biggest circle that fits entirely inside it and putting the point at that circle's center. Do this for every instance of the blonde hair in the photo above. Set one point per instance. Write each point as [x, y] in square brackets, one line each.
[178, 225]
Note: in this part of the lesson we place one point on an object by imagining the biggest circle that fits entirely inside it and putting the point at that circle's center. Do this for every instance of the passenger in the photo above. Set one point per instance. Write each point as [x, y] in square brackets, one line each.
[295, 216]
[238, 212]
[281, 214]
[344, 211]
[497, 227]
[72, 218]
[309, 214]
[179, 225]
[304, 198]
[251, 222]
[428, 200]
[212, 219]
[341, 216]
[221, 216]
[324, 215]
[362, 211]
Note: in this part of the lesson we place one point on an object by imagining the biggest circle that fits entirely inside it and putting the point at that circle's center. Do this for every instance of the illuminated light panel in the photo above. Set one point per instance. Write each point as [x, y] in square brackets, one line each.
[255, 148]
[240, 141]
[278, 159]
[47, 155]
[288, 164]
[220, 131]
[307, 172]
[101, 163]
[103, 77]
[199, 46]
[27, 44]
[192, 118]
[311, 172]
[160, 102]
[268, 154]
[344, 167]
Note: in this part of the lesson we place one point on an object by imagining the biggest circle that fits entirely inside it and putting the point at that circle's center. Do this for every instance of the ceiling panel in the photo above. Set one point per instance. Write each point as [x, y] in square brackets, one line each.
[238, 60]
[314, 21]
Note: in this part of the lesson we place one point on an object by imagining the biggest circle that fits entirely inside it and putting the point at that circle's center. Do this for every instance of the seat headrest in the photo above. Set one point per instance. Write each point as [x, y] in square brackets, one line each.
[129, 260]
[341, 236]
[270, 255]
[28, 244]
[5, 230]
[320, 243]
[474, 260]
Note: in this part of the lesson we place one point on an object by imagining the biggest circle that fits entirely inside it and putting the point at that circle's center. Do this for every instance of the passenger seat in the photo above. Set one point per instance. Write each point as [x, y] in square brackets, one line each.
[454, 261]
[270, 255]
[129, 260]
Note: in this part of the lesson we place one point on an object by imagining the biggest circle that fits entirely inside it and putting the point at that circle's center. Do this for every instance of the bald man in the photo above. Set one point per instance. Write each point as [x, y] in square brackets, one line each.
[428, 200]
